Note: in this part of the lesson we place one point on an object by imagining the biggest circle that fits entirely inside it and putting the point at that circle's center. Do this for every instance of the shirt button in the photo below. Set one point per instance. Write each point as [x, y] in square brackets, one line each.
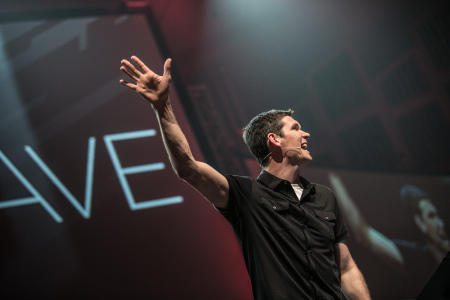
[305, 227]
[274, 207]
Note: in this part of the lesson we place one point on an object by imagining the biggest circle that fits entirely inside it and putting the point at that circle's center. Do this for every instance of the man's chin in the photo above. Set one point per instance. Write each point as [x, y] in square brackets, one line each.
[305, 161]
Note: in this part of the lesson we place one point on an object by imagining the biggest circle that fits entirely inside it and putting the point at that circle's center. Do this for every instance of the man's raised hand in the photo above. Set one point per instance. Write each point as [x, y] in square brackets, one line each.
[151, 86]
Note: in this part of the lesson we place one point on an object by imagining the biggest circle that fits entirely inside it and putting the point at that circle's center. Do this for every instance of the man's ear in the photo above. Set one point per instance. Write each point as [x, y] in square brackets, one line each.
[273, 139]
[419, 223]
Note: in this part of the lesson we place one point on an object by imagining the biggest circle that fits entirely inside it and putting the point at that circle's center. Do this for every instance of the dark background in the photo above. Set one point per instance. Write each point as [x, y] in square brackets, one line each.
[369, 81]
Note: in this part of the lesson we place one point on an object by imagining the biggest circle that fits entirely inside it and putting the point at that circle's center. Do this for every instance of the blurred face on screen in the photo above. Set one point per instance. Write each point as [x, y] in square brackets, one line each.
[432, 225]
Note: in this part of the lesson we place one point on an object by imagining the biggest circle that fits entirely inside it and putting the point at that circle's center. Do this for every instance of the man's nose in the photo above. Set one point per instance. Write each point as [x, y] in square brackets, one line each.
[305, 134]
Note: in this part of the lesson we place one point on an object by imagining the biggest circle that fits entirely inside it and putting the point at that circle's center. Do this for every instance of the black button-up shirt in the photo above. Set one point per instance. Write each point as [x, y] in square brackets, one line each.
[288, 245]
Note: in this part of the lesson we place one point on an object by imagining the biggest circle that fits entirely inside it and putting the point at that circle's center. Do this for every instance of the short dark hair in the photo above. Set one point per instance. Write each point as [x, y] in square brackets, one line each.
[410, 196]
[255, 133]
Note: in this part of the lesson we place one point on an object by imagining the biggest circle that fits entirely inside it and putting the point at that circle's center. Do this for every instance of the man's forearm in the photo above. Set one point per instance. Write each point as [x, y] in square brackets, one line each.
[175, 141]
[353, 285]
[205, 179]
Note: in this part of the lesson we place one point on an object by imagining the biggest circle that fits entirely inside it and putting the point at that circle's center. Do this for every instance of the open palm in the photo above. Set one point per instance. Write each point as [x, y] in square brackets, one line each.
[151, 86]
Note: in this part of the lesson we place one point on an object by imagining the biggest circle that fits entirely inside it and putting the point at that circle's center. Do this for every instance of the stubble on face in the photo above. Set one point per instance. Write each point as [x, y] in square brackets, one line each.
[295, 141]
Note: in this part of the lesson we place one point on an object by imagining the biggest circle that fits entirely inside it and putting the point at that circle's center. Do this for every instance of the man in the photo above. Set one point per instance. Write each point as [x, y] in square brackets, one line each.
[413, 261]
[292, 248]
[427, 220]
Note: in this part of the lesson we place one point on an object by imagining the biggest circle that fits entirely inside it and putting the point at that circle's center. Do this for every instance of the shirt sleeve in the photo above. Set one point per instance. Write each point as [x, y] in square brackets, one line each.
[341, 232]
[240, 191]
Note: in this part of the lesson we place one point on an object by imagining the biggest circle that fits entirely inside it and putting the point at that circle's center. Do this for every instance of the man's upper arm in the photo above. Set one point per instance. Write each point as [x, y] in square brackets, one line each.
[211, 184]
[343, 258]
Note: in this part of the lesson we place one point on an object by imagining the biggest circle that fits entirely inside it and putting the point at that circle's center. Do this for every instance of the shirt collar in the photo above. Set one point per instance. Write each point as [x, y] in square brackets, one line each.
[272, 181]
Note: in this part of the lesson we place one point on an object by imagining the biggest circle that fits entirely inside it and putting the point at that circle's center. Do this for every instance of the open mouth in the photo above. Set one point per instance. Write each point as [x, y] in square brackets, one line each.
[304, 146]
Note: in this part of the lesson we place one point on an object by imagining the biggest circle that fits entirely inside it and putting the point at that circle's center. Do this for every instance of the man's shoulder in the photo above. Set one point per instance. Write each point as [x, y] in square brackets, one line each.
[239, 177]
[317, 187]
[324, 197]
[320, 188]
[239, 182]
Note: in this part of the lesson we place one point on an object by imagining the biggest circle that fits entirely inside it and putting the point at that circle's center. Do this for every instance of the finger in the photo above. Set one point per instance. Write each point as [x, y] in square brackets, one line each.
[167, 67]
[140, 64]
[126, 71]
[131, 68]
[127, 84]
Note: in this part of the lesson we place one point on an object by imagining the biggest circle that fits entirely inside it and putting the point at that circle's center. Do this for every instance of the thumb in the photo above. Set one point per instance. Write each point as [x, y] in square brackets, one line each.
[167, 67]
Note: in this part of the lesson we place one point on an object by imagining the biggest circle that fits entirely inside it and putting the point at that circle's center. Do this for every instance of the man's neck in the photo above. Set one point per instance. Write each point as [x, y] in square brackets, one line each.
[289, 173]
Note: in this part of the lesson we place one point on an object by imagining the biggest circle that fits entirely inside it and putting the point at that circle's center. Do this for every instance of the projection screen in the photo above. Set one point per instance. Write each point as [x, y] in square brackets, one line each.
[89, 205]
